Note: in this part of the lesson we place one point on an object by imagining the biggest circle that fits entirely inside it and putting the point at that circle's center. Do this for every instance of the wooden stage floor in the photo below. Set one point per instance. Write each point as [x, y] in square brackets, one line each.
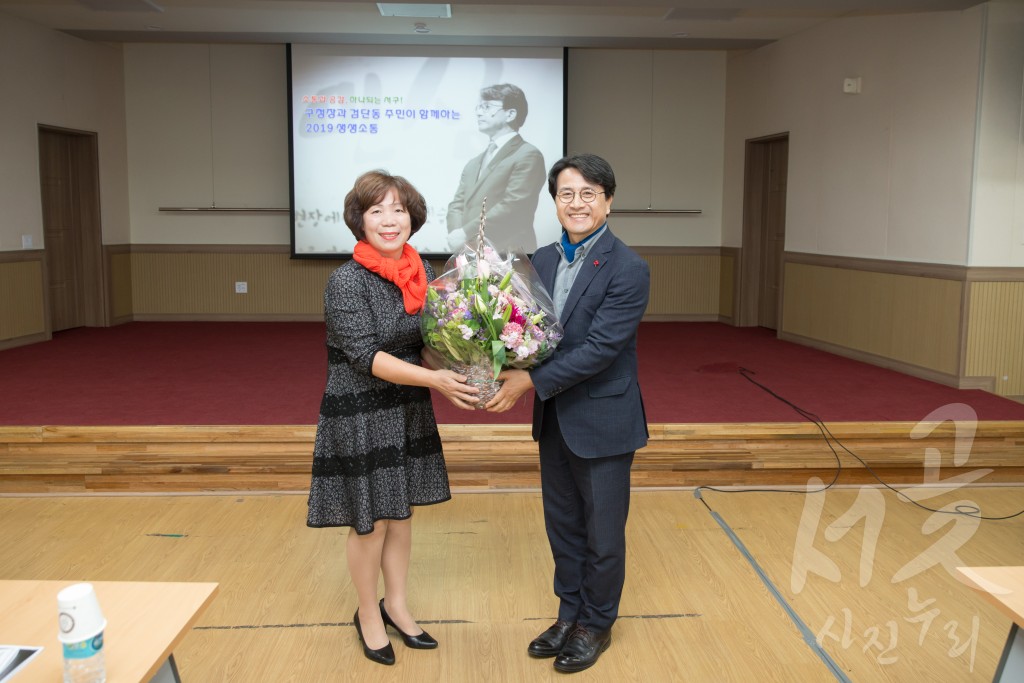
[68, 459]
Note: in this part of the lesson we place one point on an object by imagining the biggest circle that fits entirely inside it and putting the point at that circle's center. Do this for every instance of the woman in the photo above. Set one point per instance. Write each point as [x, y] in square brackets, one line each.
[377, 449]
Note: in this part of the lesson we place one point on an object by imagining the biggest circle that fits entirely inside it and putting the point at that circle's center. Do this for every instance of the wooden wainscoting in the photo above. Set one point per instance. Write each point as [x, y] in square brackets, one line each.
[182, 282]
[485, 457]
[23, 316]
[119, 278]
[911, 319]
[197, 282]
[956, 325]
[685, 283]
[995, 342]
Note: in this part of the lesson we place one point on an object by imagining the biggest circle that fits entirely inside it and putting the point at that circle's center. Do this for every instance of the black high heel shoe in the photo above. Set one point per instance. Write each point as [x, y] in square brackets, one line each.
[384, 655]
[421, 642]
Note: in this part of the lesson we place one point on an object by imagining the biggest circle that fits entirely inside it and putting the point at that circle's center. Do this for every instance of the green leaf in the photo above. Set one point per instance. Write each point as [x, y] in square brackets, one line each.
[453, 344]
[498, 356]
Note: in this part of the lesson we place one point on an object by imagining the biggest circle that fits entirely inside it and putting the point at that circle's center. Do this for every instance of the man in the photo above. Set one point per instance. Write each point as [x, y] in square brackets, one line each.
[588, 415]
[509, 173]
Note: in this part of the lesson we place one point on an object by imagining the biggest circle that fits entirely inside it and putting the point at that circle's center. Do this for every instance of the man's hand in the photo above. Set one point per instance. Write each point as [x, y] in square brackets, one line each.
[516, 383]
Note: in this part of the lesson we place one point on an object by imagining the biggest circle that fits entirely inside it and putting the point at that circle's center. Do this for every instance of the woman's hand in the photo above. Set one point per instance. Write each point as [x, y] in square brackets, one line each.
[455, 389]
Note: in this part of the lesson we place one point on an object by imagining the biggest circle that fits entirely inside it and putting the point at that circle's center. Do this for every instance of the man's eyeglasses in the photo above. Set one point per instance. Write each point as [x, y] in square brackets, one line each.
[586, 194]
[488, 107]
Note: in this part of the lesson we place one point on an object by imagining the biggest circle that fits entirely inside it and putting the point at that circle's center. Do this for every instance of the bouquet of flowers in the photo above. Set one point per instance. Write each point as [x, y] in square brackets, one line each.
[486, 312]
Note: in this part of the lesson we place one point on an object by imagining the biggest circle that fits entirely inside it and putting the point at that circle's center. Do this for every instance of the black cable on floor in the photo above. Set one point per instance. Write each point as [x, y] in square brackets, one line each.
[826, 434]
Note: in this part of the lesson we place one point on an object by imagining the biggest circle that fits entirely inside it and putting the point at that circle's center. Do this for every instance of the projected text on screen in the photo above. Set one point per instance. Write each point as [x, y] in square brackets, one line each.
[462, 125]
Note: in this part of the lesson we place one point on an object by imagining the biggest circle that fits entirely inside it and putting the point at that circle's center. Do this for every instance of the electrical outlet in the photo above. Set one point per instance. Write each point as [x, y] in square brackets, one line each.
[26, 241]
[241, 288]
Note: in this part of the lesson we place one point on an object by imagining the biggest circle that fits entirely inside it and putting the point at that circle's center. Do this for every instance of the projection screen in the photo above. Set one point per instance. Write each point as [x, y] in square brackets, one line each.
[418, 113]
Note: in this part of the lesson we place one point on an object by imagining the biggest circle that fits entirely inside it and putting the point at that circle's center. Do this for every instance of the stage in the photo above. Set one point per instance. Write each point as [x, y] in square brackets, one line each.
[232, 406]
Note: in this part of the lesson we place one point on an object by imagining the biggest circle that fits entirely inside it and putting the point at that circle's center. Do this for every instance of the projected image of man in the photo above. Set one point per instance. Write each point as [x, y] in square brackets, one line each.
[510, 173]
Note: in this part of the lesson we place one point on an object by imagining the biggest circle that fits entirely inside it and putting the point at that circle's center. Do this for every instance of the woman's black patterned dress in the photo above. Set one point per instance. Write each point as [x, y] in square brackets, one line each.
[377, 450]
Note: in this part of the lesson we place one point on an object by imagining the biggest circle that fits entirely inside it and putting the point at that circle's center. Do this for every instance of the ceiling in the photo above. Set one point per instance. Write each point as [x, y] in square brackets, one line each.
[651, 24]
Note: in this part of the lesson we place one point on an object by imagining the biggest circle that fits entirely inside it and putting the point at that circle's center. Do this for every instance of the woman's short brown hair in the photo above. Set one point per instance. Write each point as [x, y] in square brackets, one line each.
[370, 189]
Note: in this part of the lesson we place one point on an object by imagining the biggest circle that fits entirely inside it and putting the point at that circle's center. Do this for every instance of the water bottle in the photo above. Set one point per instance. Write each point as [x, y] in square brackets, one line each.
[83, 661]
[81, 625]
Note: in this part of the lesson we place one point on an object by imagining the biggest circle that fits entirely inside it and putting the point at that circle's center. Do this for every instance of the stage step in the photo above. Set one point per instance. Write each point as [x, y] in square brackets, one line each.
[150, 459]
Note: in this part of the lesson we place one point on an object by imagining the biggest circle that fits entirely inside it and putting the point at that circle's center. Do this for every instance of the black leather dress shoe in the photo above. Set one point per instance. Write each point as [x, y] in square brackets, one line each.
[384, 655]
[582, 649]
[551, 642]
[422, 641]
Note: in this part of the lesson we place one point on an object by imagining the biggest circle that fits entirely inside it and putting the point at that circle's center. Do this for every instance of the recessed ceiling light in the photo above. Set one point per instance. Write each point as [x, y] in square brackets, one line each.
[420, 27]
[414, 11]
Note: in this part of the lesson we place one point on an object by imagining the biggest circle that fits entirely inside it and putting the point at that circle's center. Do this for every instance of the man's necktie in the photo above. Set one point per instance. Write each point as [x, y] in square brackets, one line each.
[488, 155]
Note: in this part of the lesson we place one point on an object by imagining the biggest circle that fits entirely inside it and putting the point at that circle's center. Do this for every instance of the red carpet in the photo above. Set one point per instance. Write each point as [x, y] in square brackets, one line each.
[206, 373]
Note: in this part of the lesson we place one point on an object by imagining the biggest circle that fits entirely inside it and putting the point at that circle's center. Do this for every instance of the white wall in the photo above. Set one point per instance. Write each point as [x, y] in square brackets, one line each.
[884, 174]
[997, 221]
[207, 126]
[659, 118]
[53, 79]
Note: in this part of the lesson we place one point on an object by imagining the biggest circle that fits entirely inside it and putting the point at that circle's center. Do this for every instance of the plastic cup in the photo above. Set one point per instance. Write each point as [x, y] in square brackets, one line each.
[80, 617]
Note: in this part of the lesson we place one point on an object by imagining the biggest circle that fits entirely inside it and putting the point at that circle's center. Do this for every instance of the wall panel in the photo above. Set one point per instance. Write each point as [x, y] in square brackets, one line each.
[198, 282]
[995, 335]
[910, 319]
[178, 283]
[22, 305]
[727, 283]
[684, 284]
[119, 275]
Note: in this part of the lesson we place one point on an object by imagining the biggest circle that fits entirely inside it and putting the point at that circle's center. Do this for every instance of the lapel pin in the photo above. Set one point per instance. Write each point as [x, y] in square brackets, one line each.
[596, 262]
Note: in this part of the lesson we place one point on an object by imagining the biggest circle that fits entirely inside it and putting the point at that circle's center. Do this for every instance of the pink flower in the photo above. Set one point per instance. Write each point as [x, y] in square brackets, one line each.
[512, 335]
[516, 316]
[527, 348]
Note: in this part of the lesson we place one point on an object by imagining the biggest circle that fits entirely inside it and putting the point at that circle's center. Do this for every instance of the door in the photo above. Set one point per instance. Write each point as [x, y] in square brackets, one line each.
[764, 232]
[773, 234]
[69, 189]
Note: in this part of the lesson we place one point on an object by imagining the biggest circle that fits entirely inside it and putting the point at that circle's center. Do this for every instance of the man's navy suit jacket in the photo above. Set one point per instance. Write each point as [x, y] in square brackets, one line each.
[592, 376]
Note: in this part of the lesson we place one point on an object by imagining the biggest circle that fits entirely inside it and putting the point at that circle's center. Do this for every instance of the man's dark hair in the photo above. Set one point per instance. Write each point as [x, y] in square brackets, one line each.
[511, 97]
[593, 168]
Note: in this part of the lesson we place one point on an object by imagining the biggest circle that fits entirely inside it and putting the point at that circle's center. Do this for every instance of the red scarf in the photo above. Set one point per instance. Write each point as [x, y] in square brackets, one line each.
[407, 272]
